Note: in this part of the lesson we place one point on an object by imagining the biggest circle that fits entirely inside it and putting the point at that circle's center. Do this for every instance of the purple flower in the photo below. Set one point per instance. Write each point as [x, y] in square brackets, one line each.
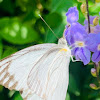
[72, 15]
[94, 42]
[93, 29]
[77, 37]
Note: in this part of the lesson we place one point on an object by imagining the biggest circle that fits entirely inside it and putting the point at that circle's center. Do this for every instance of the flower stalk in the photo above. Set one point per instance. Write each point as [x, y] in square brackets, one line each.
[88, 16]
[96, 66]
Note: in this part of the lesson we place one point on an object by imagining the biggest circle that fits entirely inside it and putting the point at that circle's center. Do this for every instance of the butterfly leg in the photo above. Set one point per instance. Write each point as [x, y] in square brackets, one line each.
[73, 59]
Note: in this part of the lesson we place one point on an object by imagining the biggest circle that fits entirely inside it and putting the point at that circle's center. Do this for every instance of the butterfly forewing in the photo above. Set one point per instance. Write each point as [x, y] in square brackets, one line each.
[15, 69]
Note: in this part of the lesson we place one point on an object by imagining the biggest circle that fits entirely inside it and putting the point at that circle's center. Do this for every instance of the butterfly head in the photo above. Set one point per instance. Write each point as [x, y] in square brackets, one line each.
[62, 41]
[63, 44]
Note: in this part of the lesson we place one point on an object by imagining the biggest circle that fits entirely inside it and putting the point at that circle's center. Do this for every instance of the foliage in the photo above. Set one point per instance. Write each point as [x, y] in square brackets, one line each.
[21, 27]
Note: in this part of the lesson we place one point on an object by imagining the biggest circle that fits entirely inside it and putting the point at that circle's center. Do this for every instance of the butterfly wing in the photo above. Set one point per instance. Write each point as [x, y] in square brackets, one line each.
[14, 70]
[50, 80]
[58, 83]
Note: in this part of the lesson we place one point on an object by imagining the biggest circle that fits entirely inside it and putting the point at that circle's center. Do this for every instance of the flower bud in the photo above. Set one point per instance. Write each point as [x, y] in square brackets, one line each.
[39, 6]
[93, 72]
[83, 8]
[93, 86]
[96, 21]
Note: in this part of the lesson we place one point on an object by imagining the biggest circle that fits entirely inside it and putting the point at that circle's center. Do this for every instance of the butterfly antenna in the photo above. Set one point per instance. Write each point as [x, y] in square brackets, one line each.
[48, 26]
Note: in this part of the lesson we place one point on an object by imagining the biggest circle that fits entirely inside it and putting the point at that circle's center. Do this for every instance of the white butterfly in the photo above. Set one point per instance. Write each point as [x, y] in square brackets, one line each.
[39, 72]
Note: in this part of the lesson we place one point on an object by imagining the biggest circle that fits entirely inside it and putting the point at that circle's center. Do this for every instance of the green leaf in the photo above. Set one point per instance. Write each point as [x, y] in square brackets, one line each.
[95, 9]
[17, 96]
[7, 5]
[54, 18]
[13, 31]
[8, 51]
[61, 5]
[73, 88]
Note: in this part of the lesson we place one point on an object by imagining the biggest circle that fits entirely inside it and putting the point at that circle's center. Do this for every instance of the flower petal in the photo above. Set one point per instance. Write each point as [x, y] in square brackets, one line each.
[83, 54]
[97, 29]
[75, 33]
[92, 41]
[72, 15]
[96, 56]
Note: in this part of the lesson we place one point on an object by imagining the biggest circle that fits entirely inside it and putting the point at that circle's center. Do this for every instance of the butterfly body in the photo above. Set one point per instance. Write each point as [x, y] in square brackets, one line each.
[40, 72]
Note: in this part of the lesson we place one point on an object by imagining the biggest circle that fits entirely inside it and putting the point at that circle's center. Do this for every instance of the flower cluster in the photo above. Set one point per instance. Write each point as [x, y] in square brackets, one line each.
[77, 36]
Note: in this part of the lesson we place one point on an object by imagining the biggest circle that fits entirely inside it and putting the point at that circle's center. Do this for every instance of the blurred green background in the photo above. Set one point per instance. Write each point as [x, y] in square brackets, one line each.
[21, 27]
